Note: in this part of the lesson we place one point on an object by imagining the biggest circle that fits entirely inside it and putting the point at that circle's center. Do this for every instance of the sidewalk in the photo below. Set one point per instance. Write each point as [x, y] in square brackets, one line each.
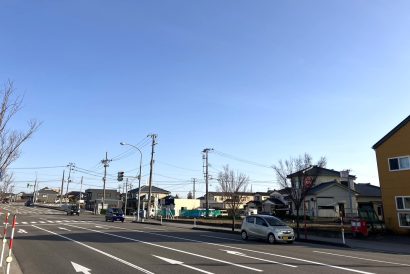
[382, 243]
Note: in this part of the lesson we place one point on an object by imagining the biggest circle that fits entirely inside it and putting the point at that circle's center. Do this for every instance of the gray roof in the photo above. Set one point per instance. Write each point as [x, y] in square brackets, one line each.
[391, 133]
[368, 190]
[318, 188]
[46, 190]
[154, 189]
[318, 171]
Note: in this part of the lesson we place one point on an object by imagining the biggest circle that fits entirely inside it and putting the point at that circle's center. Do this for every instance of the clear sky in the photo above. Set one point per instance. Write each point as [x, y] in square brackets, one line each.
[257, 80]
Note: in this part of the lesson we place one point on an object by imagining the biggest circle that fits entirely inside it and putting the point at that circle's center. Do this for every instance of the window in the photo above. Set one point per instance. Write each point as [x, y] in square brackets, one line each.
[403, 202]
[399, 163]
[404, 219]
[260, 221]
[250, 220]
[403, 206]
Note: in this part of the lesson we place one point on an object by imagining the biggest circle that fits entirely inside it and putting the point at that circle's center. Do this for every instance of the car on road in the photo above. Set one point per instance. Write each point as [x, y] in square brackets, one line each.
[73, 210]
[29, 203]
[266, 227]
[114, 214]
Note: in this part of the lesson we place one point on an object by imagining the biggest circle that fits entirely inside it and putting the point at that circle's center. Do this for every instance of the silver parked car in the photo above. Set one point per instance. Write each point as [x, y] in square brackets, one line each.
[266, 227]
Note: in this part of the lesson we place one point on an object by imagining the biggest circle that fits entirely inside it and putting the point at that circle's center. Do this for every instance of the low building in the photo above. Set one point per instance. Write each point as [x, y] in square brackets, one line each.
[46, 196]
[393, 164]
[156, 195]
[370, 198]
[174, 206]
[94, 199]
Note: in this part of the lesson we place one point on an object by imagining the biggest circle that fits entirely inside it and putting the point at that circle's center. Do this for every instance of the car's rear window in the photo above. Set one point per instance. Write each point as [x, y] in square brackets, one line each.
[117, 210]
[272, 221]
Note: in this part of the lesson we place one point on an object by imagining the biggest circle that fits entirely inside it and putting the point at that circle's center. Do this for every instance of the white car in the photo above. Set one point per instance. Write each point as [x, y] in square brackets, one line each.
[266, 227]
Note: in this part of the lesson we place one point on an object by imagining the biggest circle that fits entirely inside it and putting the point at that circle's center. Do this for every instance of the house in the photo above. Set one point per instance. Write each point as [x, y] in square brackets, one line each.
[177, 205]
[218, 200]
[369, 198]
[46, 195]
[330, 196]
[156, 194]
[93, 199]
[393, 164]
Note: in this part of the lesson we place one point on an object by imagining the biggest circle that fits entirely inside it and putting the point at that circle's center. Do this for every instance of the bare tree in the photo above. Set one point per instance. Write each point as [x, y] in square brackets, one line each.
[304, 174]
[6, 186]
[11, 140]
[233, 187]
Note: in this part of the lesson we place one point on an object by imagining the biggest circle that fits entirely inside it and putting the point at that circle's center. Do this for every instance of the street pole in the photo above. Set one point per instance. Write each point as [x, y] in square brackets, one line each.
[139, 178]
[205, 156]
[126, 194]
[81, 189]
[70, 166]
[345, 175]
[62, 187]
[105, 163]
[153, 136]
[193, 193]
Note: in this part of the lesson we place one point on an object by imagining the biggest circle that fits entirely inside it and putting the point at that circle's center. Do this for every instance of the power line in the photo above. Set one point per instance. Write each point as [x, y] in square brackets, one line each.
[42, 167]
[226, 155]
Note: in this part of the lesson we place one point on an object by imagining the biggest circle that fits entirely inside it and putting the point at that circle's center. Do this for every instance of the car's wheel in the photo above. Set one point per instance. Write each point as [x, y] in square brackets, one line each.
[244, 235]
[122, 220]
[112, 220]
[271, 238]
[106, 219]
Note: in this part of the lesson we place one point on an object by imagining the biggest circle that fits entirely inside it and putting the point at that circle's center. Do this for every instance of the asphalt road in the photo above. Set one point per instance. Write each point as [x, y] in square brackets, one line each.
[49, 241]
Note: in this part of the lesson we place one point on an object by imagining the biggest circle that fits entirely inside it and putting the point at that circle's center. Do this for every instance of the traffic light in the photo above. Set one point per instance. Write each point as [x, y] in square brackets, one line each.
[120, 175]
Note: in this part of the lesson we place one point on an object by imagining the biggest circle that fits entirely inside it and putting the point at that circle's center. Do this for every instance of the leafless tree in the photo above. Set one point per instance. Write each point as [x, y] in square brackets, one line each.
[11, 140]
[303, 179]
[6, 186]
[233, 187]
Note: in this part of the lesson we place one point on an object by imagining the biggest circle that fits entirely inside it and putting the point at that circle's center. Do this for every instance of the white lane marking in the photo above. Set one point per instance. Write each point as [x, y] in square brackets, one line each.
[99, 251]
[359, 258]
[24, 223]
[97, 226]
[222, 238]
[59, 221]
[249, 250]
[255, 258]
[175, 262]
[66, 221]
[22, 231]
[63, 228]
[170, 248]
[33, 222]
[50, 222]
[42, 222]
[80, 268]
[153, 228]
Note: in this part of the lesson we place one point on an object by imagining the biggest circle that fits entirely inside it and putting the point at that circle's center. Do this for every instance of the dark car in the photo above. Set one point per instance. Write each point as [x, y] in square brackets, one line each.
[73, 210]
[114, 214]
[29, 203]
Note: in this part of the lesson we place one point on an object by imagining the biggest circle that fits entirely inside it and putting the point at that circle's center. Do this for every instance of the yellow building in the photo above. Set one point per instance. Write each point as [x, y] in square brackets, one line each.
[393, 162]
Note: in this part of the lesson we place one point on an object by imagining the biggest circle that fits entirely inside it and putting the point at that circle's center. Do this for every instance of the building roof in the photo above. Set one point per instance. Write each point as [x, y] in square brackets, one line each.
[215, 193]
[391, 133]
[46, 190]
[154, 189]
[274, 201]
[368, 190]
[318, 188]
[318, 171]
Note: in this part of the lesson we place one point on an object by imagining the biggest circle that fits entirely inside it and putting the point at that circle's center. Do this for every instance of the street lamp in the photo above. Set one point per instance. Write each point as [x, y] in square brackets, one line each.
[139, 179]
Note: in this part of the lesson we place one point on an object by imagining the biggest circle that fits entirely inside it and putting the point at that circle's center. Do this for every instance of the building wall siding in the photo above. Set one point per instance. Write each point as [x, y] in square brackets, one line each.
[393, 183]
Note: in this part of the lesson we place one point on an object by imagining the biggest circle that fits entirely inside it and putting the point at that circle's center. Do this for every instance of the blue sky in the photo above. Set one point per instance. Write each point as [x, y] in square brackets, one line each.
[258, 80]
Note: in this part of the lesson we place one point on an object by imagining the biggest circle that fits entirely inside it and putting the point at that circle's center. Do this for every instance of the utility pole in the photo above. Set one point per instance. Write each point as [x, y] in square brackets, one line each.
[205, 157]
[34, 193]
[70, 167]
[105, 163]
[126, 194]
[62, 187]
[153, 136]
[193, 192]
[81, 189]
